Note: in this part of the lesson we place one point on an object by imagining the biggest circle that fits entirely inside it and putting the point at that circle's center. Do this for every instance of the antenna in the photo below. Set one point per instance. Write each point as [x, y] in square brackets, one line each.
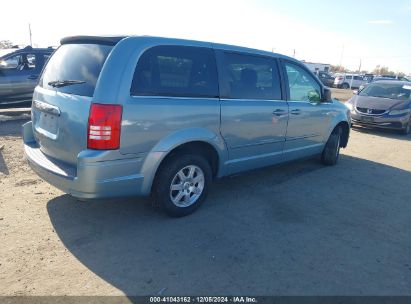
[31, 43]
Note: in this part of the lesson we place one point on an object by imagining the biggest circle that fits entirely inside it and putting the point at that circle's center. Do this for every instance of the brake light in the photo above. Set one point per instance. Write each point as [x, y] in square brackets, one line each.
[104, 126]
[339, 78]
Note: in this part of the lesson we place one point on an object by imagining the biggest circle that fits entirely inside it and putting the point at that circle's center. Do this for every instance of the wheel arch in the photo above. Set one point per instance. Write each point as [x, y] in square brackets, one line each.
[345, 133]
[207, 143]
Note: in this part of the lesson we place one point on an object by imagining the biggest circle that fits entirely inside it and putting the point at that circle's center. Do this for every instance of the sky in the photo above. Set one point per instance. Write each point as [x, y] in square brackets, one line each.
[337, 32]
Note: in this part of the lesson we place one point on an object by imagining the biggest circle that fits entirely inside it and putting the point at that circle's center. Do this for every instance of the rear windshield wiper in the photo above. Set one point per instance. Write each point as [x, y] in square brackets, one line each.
[63, 83]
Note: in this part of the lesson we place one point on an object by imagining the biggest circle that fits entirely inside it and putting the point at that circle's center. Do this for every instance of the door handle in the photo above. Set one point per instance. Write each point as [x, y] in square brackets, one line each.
[278, 112]
[33, 77]
[296, 112]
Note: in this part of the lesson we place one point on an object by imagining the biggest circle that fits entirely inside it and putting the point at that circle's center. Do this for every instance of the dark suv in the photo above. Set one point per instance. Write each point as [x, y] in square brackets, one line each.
[19, 72]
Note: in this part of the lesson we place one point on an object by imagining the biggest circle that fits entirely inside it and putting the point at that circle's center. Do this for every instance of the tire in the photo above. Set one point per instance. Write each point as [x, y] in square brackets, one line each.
[190, 175]
[345, 86]
[407, 129]
[331, 150]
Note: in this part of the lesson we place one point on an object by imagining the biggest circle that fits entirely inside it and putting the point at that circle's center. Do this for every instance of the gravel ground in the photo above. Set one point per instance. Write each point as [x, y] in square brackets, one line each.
[295, 229]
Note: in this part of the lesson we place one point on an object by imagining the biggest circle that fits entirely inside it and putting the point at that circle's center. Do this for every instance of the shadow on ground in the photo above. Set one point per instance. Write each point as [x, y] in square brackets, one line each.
[296, 229]
[395, 134]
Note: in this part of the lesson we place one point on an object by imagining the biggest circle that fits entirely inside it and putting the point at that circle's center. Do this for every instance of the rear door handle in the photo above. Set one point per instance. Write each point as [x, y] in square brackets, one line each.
[296, 112]
[278, 112]
[33, 77]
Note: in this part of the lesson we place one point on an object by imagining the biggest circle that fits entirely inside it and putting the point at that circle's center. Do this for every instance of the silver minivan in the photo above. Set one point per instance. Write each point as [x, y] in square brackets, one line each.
[134, 116]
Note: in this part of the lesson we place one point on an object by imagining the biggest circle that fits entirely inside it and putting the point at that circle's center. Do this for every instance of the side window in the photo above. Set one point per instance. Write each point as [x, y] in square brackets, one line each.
[251, 77]
[12, 62]
[302, 86]
[358, 78]
[348, 77]
[176, 71]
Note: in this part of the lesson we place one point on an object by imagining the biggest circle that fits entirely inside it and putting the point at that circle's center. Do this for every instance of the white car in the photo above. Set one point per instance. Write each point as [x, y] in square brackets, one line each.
[345, 81]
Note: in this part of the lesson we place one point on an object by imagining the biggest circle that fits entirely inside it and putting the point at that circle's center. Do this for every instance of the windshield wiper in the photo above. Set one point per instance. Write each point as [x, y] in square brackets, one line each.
[63, 83]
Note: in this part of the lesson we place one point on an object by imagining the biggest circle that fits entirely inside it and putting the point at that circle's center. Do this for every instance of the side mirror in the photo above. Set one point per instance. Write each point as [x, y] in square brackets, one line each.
[327, 95]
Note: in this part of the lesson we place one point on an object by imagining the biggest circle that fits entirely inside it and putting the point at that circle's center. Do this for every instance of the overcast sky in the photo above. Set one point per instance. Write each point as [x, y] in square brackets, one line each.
[376, 32]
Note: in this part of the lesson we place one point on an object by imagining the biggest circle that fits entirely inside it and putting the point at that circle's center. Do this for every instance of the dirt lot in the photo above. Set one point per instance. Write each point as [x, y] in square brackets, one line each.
[341, 94]
[297, 229]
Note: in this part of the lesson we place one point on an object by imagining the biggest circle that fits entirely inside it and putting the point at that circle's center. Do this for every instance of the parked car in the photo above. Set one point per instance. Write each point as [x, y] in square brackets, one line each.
[326, 79]
[382, 78]
[344, 81]
[124, 116]
[19, 72]
[368, 77]
[383, 104]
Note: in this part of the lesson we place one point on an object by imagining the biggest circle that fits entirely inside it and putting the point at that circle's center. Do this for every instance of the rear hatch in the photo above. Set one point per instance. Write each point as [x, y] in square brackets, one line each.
[61, 102]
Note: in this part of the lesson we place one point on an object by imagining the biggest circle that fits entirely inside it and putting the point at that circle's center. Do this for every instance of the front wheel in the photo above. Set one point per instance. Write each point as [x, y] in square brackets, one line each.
[182, 183]
[331, 150]
[407, 129]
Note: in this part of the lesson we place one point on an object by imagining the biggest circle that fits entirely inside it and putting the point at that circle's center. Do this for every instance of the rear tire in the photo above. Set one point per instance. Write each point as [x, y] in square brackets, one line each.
[345, 86]
[182, 183]
[331, 150]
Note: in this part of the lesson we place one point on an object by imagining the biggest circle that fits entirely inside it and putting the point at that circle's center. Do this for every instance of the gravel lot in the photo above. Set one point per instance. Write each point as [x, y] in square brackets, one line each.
[295, 229]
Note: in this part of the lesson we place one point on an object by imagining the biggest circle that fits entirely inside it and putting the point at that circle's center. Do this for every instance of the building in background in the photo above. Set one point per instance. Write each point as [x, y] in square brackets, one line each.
[317, 67]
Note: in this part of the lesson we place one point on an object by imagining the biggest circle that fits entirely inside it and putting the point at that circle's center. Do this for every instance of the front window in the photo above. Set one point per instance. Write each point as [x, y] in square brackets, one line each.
[387, 90]
[302, 86]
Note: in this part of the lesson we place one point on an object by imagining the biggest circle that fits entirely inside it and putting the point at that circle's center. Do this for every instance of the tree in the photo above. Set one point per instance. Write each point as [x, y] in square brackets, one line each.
[382, 70]
[6, 44]
[338, 69]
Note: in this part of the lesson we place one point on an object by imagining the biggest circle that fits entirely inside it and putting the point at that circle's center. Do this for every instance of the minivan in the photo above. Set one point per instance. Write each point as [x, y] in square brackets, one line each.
[349, 81]
[140, 116]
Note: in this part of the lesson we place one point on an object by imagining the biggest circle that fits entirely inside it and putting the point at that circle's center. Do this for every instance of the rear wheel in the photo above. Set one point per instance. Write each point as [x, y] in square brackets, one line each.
[182, 183]
[345, 86]
[331, 150]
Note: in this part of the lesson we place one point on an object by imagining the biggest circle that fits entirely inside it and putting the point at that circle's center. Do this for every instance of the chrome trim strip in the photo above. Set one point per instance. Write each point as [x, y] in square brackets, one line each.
[171, 97]
[367, 114]
[47, 108]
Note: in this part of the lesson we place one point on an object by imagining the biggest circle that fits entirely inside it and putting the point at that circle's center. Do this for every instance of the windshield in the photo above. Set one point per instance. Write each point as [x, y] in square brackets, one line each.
[388, 90]
[75, 68]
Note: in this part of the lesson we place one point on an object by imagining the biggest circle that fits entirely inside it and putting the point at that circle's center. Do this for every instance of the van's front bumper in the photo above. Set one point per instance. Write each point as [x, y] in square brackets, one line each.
[97, 174]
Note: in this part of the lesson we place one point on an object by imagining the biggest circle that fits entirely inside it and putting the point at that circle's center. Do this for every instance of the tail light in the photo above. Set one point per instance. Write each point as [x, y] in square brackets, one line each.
[339, 78]
[104, 126]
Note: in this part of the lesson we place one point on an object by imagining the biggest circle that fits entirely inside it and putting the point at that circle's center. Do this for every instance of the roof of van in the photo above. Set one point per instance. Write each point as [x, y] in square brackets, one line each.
[110, 40]
[113, 40]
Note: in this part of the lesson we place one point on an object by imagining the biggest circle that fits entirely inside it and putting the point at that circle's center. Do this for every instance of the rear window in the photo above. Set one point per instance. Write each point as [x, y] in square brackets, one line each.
[79, 62]
[176, 71]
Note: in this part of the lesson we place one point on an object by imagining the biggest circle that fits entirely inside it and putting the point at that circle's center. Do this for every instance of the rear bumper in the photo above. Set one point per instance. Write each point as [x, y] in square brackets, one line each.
[97, 174]
[394, 122]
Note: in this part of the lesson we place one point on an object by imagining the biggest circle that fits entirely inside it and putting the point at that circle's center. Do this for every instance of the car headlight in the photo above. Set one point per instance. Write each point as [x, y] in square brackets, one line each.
[349, 106]
[399, 112]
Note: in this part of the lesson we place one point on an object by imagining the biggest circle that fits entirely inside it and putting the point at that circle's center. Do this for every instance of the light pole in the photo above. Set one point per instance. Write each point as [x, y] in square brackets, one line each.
[31, 43]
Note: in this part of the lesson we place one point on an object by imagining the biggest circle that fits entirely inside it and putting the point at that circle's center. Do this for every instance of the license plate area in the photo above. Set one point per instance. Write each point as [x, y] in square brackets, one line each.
[367, 119]
[47, 125]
